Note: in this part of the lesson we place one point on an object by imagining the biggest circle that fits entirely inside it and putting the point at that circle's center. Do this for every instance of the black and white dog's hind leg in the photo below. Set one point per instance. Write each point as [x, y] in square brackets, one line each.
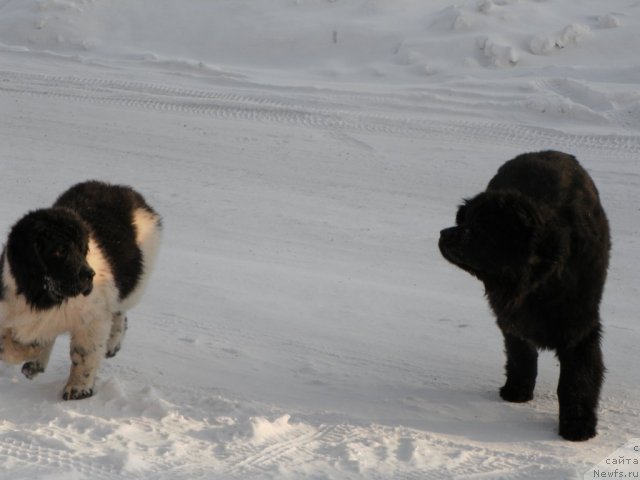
[118, 329]
[39, 364]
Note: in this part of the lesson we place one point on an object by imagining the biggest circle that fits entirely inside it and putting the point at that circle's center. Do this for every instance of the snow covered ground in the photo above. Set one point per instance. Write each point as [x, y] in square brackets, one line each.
[305, 155]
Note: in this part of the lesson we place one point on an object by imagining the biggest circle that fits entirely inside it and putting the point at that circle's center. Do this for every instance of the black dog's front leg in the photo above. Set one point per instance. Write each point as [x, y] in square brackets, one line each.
[521, 369]
[581, 375]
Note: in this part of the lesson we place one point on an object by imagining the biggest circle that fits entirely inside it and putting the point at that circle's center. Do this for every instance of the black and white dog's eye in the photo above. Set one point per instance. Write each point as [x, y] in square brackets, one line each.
[59, 252]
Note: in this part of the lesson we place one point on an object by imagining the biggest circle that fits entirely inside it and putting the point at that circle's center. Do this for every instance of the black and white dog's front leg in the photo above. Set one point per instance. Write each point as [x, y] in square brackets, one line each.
[88, 347]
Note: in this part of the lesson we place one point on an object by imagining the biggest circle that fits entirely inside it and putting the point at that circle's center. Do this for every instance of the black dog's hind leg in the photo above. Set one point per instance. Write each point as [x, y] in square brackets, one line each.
[521, 369]
[581, 375]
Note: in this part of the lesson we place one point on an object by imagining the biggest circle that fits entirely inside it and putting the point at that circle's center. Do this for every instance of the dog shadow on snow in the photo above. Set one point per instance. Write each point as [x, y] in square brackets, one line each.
[479, 414]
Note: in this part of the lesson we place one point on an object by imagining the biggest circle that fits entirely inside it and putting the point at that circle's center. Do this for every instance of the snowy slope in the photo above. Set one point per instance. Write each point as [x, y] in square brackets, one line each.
[305, 154]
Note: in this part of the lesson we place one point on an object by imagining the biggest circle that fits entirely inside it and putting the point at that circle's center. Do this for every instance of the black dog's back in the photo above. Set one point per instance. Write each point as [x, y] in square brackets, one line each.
[108, 210]
[565, 194]
[550, 177]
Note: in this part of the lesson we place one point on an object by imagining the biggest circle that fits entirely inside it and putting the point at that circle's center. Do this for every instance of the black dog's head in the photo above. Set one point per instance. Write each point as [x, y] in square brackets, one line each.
[47, 252]
[496, 237]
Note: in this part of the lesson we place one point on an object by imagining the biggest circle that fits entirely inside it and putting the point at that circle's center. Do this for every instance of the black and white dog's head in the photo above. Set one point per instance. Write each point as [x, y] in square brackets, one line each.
[46, 252]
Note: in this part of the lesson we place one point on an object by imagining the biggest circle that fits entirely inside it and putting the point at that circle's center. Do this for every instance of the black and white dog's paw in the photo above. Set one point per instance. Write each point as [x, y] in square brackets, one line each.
[32, 368]
[113, 351]
[76, 393]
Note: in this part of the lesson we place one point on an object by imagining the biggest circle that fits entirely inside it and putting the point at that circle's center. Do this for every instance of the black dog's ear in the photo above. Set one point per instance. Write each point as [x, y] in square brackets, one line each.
[527, 215]
[552, 246]
[461, 213]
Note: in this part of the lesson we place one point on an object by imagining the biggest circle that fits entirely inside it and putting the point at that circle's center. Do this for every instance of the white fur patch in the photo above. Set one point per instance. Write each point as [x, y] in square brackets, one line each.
[148, 236]
[28, 325]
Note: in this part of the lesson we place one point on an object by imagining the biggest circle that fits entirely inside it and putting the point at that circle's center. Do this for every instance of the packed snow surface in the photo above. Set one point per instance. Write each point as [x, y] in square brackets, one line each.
[305, 154]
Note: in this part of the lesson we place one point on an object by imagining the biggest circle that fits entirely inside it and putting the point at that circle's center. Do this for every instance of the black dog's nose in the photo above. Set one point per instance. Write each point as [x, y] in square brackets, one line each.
[448, 233]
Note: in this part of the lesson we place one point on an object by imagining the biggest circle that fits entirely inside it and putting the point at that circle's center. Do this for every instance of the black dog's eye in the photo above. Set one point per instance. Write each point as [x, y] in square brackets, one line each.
[59, 252]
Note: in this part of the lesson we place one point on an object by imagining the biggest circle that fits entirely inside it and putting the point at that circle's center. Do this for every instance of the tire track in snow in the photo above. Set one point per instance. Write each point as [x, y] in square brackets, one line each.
[393, 114]
[79, 445]
[381, 452]
[28, 456]
[295, 446]
[622, 109]
[181, 447]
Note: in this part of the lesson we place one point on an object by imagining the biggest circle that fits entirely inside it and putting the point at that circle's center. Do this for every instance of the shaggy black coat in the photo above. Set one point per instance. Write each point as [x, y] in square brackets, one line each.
[538, 238]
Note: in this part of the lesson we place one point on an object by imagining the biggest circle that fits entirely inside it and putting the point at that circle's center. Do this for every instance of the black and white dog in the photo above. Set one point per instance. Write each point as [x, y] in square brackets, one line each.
[76, 267]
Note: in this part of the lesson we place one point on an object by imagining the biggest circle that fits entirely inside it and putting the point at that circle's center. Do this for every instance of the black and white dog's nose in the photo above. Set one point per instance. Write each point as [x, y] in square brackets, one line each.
[87, 273]
[86, 278]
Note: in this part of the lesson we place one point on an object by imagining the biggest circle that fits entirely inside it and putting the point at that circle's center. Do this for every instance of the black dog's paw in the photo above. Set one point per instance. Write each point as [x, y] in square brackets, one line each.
[578, 429]
[516, 394]
[112, 353]
[31, 369]
[77, 394]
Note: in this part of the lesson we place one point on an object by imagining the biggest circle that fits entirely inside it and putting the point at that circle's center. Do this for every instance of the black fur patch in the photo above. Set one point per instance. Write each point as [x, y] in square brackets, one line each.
[108, 212]
[46, 251]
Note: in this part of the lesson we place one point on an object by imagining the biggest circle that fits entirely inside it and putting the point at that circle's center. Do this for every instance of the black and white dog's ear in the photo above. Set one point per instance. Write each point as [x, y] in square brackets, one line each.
[23, 257]
[43, 245]
[21, 249]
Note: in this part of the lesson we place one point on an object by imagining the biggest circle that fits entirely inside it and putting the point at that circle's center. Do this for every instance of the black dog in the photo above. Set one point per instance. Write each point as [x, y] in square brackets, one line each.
[76, 267]
[538, 238]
